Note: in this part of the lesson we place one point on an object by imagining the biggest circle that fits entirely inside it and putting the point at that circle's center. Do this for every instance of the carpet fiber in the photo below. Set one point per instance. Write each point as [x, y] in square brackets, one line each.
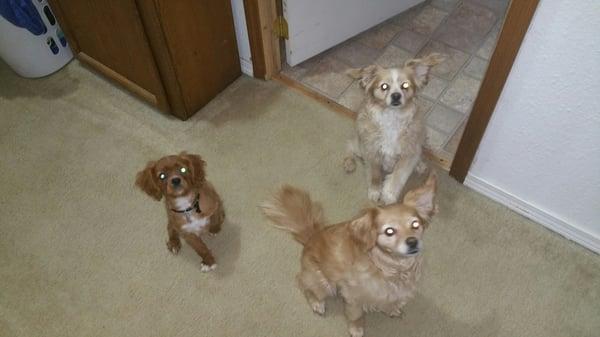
[83, 252]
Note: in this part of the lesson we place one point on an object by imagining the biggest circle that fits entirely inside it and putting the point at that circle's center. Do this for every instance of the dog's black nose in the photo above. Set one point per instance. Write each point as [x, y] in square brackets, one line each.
[176, 181]
[396, 97]
[412, 242]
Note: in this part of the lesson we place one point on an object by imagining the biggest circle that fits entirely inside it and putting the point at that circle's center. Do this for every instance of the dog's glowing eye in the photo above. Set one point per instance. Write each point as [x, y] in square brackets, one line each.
[415, 224]
[183, 170]
[162, 176]
[384, 86]
[405, 85]
[389, 231]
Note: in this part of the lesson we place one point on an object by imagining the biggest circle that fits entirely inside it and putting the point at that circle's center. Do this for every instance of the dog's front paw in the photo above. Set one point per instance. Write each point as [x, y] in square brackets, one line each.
[388, 196]
[356, 331]
[398, 313]
[421, 167]
[206, 268]
[174, 246]
[349, 164]
[374, 194]
[318, 307]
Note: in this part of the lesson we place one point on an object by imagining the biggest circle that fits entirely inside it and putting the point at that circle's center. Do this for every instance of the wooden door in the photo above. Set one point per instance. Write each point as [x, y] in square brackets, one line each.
[109, 36]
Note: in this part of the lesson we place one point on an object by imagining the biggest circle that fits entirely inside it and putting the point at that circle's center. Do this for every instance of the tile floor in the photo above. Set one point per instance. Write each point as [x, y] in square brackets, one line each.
[465, 30]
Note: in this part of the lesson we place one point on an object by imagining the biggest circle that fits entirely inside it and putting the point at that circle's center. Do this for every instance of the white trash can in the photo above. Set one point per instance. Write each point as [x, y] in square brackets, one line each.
[33, 45]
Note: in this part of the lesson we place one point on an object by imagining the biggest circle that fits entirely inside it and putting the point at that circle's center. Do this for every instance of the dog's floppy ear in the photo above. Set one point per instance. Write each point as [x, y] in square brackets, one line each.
[197, 165]
[366, 75]
[421, 67]
[146, 181]
[363, 229]
[422, 199]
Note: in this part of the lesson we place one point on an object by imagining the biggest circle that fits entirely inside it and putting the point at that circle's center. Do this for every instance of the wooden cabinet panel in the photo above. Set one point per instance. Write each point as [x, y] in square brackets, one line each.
[109, 36]
[177, 54]
[200, 37]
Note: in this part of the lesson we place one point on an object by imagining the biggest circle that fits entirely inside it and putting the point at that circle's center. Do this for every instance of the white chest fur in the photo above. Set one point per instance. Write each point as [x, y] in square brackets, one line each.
[195, 223]
[392, 123]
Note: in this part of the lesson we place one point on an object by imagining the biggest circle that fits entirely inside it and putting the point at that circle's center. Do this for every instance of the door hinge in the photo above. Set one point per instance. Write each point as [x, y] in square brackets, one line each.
[280, 28]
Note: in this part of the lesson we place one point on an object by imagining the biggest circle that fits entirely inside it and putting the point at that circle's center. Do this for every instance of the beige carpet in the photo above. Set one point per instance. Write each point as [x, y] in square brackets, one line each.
[82, 252]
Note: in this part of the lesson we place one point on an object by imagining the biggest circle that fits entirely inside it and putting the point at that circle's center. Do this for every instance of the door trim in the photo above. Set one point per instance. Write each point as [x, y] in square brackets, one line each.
[516, 23]
[518, 18]
[265, 48]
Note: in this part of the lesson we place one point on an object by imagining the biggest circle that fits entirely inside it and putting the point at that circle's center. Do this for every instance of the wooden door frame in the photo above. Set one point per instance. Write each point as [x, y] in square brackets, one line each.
[266, 62]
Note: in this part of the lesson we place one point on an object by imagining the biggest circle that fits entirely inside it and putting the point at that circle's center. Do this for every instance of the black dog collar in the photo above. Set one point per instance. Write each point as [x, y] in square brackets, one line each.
[195, 206]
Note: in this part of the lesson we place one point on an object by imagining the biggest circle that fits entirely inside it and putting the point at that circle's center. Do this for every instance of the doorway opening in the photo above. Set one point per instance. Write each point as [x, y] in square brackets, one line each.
[480, 38]
[465, 31]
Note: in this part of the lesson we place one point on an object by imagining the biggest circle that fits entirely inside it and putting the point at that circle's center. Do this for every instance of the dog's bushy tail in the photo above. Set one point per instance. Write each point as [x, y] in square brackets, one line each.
[292, 210]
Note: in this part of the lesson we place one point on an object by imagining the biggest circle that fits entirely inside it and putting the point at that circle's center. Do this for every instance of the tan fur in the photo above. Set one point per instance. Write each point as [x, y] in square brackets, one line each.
[193, 183]
[389, 137]
[355, 259]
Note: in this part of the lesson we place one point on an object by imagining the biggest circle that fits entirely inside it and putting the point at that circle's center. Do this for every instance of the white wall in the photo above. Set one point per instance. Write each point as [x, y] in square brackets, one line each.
[541, 152]
[241, 32]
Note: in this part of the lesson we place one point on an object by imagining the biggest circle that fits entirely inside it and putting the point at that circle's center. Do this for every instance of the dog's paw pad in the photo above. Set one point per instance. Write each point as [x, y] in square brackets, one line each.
[397, 313]
[173, 247]
[318, 308]
[206, 268]
[374, 195]
[356, 332]
[349, 165]
[421, 167]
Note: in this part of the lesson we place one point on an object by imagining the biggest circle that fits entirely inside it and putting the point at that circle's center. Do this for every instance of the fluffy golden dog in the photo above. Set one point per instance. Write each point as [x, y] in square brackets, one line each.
[390, 131]
[373, 262]
[192, 203]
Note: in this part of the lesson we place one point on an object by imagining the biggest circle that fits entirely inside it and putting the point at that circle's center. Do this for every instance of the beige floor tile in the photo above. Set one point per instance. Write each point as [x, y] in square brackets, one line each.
[473, 18]
[435, 139]
[428, 20]
[434, 88]
[444, 119]
[405, 19]
[455, 59]
[454, 141]
[461, 93]
[410, 41]
[487, 49]
[459, 38]
[328, 77]
[353, 97]
[355, 54]
[298, 71]
[446, 5]
[476, 68]
[393, 57]
[379, 37]
[497, 6]
[423, 105]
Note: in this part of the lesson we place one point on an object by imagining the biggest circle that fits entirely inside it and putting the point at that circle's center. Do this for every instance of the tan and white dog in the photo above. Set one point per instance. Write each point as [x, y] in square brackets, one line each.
[390, 130]
[373, 261]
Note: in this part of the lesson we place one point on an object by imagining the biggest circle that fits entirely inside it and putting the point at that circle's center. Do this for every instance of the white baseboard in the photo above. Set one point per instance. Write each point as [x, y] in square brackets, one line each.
[247, 67]
[524, 208]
